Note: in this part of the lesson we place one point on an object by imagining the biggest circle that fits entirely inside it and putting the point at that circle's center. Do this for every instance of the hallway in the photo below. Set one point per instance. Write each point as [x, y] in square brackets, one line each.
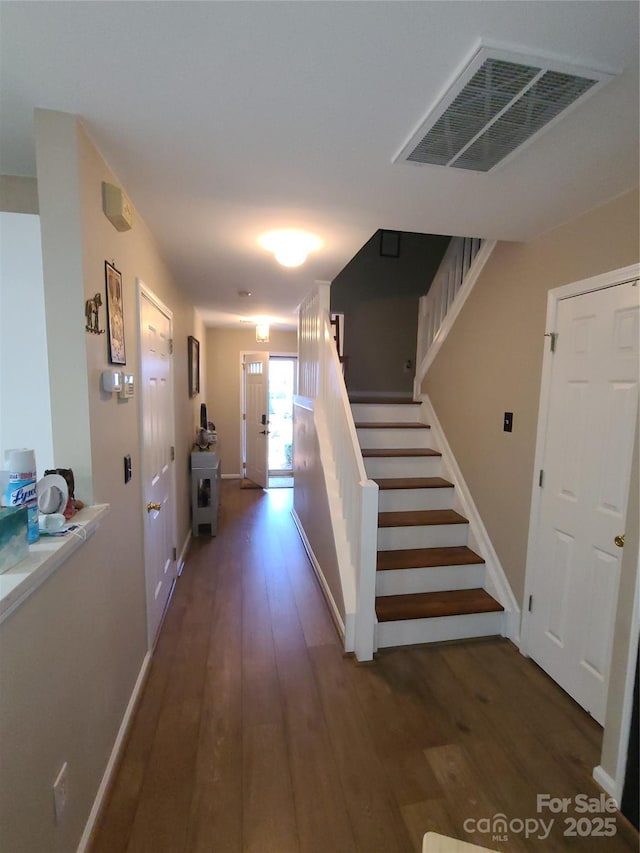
[255, 733]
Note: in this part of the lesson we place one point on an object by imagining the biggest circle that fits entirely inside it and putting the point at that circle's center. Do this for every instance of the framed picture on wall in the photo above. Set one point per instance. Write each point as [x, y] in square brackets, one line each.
[389, 244]
[115, 314]
[194, 366]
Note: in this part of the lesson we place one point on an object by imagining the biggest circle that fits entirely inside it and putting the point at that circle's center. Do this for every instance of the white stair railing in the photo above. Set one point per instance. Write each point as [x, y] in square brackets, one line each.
[458, 272]
[353, 497]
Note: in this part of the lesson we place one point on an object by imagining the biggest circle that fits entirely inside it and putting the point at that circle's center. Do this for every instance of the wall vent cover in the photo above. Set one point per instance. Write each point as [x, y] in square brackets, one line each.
[502, 100]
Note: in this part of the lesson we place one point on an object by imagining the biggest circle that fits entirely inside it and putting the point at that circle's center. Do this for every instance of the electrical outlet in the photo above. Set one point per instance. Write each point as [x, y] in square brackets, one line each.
[60, 793]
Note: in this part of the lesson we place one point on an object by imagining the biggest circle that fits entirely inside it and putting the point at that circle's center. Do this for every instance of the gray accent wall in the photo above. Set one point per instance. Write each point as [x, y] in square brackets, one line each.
[379, 298]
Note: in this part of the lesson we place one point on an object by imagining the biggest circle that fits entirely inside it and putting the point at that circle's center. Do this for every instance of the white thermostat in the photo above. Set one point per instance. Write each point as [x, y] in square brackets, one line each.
[127, 389]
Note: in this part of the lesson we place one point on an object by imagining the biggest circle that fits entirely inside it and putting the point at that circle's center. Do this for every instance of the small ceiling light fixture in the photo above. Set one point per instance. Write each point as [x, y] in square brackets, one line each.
[244, 293]
[262, 333]
[290, 246]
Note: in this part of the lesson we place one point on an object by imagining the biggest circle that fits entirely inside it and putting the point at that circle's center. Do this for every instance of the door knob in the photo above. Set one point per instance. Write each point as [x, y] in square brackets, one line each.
[152, 506]
[619, 540]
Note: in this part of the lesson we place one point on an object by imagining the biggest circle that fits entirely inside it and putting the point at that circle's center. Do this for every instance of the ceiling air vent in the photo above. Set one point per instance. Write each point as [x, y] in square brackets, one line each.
[501, 100]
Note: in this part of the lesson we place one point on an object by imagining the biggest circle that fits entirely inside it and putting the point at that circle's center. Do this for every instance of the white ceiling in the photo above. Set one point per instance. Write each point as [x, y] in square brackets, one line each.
[226, 119]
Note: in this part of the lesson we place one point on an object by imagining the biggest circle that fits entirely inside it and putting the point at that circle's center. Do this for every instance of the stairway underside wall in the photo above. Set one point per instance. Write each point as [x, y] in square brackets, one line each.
[311, 504]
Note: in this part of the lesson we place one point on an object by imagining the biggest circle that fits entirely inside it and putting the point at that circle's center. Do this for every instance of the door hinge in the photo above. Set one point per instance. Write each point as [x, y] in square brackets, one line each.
[170, 346]
[172, 454]
[553, 340]
[541, 478]
[174, 554]
[244, 417]
[530, 603]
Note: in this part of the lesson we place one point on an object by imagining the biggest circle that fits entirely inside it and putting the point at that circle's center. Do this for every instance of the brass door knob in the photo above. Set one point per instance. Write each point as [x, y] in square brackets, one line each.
[152, 506]
[619, 540]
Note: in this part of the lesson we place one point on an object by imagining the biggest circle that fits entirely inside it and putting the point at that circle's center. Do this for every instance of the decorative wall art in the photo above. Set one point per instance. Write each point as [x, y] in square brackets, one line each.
[92, 316]
[115, 314]
[390, 244]
[194, 366]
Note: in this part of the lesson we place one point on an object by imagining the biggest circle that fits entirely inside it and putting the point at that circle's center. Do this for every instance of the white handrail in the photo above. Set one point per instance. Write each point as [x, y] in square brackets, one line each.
[353, 498]
[358, 494]
[445, 285]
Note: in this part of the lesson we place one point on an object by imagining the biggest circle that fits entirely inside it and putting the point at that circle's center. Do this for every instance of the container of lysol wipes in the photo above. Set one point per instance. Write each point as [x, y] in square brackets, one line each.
[22, 490]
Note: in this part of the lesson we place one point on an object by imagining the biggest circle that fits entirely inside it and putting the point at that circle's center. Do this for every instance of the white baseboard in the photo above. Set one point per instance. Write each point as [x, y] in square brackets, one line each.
[346, 632]
[115, 754]
[606, 782]
[496, 582]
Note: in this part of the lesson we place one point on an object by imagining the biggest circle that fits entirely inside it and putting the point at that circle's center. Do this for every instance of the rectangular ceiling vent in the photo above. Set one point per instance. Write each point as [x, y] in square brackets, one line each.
[502, 100]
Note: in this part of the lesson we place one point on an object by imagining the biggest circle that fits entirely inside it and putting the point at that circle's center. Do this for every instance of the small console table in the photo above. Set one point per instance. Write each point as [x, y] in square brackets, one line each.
[205, 492]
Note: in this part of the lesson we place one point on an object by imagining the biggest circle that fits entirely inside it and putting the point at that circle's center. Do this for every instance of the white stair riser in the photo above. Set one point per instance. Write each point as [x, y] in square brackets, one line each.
[400, 500]
[439, 629]
[438, 579]
[385, 412]
[394, 437]
[422, 536]
[403, 466]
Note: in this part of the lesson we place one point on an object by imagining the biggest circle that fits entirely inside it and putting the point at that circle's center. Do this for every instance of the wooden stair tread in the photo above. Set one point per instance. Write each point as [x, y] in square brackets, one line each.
[385, 401]
[413, 518]
[390, 425]
[381, 452]
[427, 605]
[385, 483]
[426, 558]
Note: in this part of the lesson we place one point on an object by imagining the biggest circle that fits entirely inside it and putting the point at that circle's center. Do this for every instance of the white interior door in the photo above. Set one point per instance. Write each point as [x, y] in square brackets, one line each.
[256, 401]
[593, 406]
[157, 465]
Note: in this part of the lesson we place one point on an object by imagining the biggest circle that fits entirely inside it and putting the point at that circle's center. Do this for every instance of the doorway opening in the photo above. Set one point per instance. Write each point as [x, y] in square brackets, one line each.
[282, 379]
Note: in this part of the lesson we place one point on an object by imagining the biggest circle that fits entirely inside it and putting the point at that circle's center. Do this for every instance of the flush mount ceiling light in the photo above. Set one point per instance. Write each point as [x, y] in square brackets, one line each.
[502, 100]
[290, 246]
[262, 333]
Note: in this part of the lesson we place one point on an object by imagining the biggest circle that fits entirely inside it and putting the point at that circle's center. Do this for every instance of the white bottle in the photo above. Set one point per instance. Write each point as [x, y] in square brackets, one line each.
[22, 488]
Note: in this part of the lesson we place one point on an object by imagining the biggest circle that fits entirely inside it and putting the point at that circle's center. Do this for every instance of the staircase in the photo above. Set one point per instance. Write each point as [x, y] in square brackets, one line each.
[429, 583]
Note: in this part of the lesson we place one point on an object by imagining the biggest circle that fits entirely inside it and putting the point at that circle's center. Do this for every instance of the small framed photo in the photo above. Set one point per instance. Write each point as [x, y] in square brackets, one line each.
[390, 244]
[115, 314]
[194, 366]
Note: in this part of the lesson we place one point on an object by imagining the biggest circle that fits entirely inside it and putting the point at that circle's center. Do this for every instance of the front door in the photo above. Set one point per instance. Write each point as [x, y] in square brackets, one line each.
[593, 405]
[256, 402]
[282, 378]
[157, 465]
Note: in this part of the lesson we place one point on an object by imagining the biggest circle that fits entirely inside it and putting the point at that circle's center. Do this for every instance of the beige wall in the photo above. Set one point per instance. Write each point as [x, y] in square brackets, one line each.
[70, 655]
[18, 194]
[114, 423]
[492, 361]
[223, 396]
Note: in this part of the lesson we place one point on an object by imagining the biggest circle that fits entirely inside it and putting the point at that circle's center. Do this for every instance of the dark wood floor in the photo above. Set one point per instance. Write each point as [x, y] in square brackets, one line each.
[255, 733]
